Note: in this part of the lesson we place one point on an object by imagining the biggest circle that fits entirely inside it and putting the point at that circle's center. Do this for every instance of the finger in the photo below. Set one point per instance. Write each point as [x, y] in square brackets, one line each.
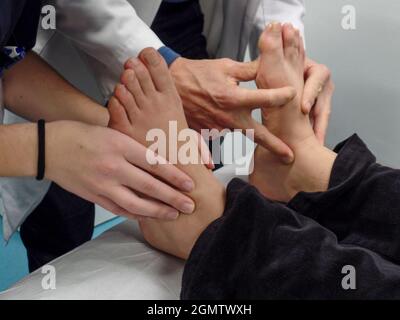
[270, 142]
[114, 208]
[141, 181]
[129, 201]
[205, 153]
[144, 158]
[252, 99]
[317, 76]
[322, 111]
[244, 71]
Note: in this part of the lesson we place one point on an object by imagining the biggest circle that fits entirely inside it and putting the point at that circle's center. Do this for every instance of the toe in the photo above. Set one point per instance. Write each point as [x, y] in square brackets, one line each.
[271, 40]
[290, 44]
[131, 82]
[118, 117]
[127, 100]
[143, 76]
[158, 69]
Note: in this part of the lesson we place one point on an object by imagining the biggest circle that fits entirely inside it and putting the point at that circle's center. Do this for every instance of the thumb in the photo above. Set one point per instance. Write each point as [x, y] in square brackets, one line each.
[245, 71]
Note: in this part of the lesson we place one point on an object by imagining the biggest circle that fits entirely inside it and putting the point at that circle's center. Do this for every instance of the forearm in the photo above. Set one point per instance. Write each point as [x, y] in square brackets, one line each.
[18, 150]
[33, 90]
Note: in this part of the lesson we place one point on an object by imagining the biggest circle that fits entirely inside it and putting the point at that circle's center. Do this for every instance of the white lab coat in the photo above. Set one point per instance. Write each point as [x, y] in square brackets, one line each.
[108, 32]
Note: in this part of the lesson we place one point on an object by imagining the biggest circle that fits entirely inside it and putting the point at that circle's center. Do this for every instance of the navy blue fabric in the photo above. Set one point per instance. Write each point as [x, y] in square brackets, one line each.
[260, 249]
[180, 28]
[19, 20]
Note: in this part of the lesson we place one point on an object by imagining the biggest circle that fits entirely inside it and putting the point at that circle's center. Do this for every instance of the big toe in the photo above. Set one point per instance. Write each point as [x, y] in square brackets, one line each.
[158, 69]
[271, 41]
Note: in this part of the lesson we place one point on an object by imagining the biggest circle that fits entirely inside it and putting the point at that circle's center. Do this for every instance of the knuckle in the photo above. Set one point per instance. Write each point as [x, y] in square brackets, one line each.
[148, 187]
[175, 200]
[107, 167]
[222, 96]
[223, 119]
[325, 70]
[132, 207]
[174, 180]
[227, 62]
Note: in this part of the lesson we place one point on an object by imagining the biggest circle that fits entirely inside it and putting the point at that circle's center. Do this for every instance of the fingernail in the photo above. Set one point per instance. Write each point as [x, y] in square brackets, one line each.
[188, 207]
[288, 159]
[307, 106]
[152, 58]
[188, 186]
[173, 215]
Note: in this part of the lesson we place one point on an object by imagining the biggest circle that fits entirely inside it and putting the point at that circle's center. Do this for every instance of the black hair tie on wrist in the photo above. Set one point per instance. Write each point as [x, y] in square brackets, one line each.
[41, 150]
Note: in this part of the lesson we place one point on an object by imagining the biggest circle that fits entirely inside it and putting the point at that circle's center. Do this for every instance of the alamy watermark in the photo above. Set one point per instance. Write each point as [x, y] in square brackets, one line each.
[49, 18]
[183, 147]
[349, 20]
[49, 278]
[349, 281]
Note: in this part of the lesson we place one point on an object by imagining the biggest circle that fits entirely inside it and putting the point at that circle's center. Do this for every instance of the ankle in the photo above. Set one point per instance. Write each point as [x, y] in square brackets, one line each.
[311, 169]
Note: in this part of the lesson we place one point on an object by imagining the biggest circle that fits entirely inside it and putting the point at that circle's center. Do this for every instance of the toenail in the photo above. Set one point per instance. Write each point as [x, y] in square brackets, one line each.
[269, 26]
[122, 88]
[275, 26]
[135, 62]
[152, 58]
[131, 76]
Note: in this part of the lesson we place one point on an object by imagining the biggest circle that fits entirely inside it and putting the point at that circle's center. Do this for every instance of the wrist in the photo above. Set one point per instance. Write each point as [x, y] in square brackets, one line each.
[59, 136]
[169, 55]
[177, 66]
[18, 145]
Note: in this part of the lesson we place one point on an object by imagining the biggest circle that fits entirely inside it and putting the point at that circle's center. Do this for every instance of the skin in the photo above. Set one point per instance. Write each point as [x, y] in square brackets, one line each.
[90, 160]
[214, 100]
[282, 62]
[282, 57]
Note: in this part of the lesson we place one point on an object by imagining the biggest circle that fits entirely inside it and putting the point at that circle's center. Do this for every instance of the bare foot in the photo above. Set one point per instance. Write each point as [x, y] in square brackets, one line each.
[147, 99]
[281, 64]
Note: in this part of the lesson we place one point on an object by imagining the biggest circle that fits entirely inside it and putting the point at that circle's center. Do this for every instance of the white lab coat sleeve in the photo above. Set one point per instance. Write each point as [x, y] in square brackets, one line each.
[289, 11]
[110, 31]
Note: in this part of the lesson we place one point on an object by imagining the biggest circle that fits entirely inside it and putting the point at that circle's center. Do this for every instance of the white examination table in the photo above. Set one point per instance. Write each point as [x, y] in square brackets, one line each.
[117, 265]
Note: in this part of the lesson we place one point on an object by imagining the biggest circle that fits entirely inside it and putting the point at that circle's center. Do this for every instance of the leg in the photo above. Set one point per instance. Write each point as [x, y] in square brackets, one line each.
[60, 223]
[282, 64]
[147, 99]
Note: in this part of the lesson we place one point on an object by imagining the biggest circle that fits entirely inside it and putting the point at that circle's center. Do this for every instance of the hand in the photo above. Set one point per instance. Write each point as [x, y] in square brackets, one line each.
[212, 98]
[108, 168]
[317, 97]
